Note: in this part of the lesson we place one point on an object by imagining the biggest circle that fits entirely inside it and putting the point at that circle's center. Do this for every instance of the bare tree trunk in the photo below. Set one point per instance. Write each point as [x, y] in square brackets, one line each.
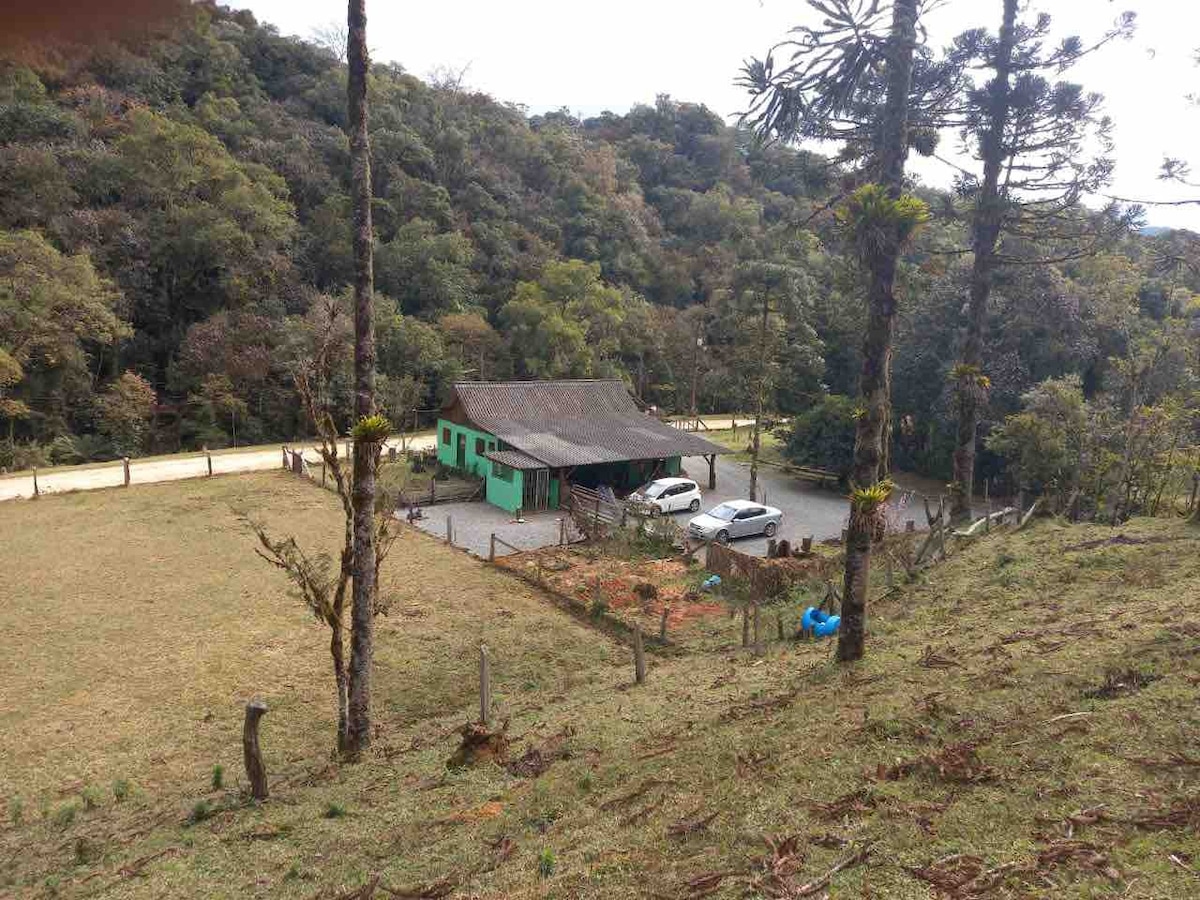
[756, 436]
[971, 394]
[364, 589]
[872, 436]
[337, 651]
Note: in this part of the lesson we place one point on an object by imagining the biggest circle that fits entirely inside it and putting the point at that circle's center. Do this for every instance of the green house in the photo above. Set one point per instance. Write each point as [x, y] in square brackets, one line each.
[530, 440]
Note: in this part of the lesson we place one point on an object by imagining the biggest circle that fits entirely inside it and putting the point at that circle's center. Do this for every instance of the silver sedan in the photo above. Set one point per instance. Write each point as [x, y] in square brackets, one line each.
[735, 519]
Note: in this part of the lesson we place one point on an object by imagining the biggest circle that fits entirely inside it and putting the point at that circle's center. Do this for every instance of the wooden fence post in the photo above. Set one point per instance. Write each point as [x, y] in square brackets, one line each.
[450, 530]
[256, 771]
[322, 474]
[562, 532]
[36, 492]
[639, 657]
[208, 459]
[806, 544]
[485, 686]
[285, 462]
[125, 469]
[745, 627]
[779, 625]
[492, 548]
[662, 625]
[758, 639]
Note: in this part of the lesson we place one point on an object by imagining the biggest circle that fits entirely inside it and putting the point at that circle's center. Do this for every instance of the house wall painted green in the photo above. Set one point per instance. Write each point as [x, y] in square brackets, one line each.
[476, 444]
[505, 487]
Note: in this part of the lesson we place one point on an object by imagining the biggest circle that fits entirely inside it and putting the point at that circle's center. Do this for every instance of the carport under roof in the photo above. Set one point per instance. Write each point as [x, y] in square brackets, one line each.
[561, 424]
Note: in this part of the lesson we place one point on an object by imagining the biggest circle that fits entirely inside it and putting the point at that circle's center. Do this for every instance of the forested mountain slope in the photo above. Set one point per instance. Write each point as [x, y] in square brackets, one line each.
[174, 226]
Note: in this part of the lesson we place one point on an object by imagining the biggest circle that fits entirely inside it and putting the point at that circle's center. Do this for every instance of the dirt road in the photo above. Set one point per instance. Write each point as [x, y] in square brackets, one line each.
[188, 465]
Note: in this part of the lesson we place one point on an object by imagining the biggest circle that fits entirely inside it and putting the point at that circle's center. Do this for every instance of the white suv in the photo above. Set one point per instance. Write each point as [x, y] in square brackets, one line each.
[668, 495]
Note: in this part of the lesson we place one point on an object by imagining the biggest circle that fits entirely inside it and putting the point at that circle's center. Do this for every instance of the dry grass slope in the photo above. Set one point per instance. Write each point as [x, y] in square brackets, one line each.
[1026, 725]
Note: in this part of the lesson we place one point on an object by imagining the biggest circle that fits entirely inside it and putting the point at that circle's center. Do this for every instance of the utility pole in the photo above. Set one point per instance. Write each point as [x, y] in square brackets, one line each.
[696, 375]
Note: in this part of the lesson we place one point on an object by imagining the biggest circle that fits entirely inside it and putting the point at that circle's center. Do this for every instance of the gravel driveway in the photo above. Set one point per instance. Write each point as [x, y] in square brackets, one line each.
[807, 509]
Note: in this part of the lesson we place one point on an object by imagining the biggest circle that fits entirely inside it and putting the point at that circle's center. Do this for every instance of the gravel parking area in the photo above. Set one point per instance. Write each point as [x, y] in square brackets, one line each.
[475, 522]
[807, 510]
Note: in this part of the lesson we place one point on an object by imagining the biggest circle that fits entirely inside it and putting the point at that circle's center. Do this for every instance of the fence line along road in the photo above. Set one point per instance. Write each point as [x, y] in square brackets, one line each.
[195, 465]
[157, 469]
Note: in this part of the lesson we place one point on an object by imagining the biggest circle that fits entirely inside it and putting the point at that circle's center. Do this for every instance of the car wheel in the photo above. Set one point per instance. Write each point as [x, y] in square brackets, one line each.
[694, 506]
[722, 536]
[769, 531]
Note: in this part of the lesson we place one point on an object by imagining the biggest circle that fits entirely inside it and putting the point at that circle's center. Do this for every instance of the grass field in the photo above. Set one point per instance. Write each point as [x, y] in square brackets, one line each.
[1026, 724]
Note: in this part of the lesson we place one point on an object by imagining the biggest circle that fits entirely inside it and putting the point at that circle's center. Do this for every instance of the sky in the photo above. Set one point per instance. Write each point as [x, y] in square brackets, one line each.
[591, 57]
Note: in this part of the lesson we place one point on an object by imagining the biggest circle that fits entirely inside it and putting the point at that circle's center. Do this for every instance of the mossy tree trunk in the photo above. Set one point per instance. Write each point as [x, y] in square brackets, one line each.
[873, 429]
[362, 607]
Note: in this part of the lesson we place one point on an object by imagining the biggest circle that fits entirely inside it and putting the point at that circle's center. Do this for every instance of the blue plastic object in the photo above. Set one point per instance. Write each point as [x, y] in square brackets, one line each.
[712, 581]
[818, 623]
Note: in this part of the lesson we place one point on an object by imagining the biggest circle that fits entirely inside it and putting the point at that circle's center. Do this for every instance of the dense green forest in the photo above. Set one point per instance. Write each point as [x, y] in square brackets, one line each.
[175, 232]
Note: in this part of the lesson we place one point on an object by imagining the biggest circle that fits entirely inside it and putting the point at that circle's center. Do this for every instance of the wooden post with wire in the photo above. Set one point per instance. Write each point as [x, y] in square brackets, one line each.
[485, 686]
[208, 460]
[36, 491]
[125, 469]
[639, 657]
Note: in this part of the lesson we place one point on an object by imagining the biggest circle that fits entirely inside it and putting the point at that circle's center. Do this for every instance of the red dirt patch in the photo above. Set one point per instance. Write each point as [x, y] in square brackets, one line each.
[574, 573]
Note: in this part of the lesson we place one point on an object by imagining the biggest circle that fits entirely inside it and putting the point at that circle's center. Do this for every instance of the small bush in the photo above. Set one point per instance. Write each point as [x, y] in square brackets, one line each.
[201, 811]
[91, 797]
[64, 816]
[16, 810]
[546, 862]
[86, 850]
[334, 811]
[120, 789]
[218, 777]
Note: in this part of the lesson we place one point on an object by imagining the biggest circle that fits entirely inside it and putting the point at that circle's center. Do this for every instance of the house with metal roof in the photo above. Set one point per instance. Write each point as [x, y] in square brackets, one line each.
[530, 440]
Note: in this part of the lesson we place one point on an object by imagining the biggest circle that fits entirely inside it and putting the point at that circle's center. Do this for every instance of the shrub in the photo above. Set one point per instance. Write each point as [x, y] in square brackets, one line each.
[64, 816]
[201, 810]
[823, 435]
[120, 790]
[90, 796]
[546, 862]
[334, 811]
[218, 777]
[16, 810]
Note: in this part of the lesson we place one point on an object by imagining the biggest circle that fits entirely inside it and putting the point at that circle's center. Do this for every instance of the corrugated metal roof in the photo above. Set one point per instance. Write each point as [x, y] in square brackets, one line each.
[514, 459]
[574, 423]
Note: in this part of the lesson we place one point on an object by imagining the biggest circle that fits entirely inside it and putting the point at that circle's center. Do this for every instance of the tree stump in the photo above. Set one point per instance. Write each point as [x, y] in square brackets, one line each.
[256, 771]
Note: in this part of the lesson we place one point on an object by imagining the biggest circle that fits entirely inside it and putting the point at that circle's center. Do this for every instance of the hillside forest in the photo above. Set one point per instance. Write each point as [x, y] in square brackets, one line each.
[175, 235]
